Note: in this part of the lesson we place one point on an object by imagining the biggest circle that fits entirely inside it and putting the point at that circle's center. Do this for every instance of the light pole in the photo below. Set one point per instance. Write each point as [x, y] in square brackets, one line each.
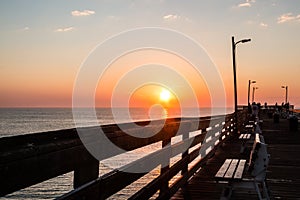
[286, 93]
[234, 77]
[254, 88]
[249, 83]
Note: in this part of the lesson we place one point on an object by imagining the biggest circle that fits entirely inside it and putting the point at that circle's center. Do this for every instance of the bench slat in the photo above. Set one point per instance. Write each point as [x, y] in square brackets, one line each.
[245, 136]
[223, 169]
[231, 168]
[240, 169]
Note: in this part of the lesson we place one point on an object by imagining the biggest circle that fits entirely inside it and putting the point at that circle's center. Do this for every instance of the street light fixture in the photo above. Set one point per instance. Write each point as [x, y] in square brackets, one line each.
[254, 88]
[234, 77]
[286, 93]
[249, 83]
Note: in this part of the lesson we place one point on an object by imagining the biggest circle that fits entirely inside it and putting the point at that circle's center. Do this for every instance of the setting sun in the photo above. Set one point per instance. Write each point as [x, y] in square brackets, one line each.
[165, 95]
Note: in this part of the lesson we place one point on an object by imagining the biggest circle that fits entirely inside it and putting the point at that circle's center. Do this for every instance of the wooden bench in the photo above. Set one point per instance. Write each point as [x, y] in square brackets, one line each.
[253, 125]
[231, 169]
[242, 175]
[250, 128]
[244, 137]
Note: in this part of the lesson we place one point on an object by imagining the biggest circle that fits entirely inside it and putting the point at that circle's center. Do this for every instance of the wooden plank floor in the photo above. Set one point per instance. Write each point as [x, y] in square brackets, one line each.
[283, 174]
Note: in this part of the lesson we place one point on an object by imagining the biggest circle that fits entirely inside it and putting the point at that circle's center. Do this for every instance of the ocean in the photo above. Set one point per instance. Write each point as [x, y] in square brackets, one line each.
[17, 121]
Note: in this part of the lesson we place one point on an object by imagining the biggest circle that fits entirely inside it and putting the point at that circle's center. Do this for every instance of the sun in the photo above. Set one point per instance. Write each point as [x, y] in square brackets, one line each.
[165, 95]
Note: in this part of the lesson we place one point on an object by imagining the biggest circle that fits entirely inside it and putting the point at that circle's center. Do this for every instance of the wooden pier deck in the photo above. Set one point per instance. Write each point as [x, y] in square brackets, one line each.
[283, 173]
[47, 151]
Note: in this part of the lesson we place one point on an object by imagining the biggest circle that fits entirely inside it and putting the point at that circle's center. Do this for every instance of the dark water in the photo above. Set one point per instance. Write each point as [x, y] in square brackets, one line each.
[15, 121]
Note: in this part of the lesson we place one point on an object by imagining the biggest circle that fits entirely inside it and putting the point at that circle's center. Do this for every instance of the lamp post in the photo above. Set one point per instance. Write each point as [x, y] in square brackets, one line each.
[254, 88]
[249, 83]
[234, 77]
[286, 93]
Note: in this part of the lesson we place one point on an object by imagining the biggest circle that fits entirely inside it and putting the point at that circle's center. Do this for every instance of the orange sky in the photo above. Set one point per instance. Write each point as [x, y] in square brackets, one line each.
[125, 82]
[42, 52]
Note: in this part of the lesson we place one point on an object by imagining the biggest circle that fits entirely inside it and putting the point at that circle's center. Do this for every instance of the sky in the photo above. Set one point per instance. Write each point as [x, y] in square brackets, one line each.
[45, 44]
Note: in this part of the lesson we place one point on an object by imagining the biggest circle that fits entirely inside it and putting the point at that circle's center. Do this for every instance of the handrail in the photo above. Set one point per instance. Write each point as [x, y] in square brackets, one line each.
[43, 156]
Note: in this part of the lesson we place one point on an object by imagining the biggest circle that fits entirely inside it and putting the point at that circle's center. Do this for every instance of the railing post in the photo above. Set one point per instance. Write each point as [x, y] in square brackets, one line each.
[87, 171]
[165, 184]
[185, 136]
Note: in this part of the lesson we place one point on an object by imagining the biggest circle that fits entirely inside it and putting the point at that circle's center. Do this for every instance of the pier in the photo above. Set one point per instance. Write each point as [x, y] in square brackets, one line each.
[283, 175]
[26, 160]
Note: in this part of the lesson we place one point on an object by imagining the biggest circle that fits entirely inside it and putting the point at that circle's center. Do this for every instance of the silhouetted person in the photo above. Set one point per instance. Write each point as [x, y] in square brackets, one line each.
[254, 110]
[259, 107]
[249, 108]
[266, 107]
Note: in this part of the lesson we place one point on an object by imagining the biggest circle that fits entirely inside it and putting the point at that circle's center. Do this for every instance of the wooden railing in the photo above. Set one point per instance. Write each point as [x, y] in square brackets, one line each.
[29, 159]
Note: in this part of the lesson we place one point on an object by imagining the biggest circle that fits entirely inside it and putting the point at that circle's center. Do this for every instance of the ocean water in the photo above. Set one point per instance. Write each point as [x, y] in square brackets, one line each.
[16, 121]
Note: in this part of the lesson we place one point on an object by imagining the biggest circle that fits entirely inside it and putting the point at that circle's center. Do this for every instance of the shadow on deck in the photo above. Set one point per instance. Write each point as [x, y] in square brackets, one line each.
[283, 173]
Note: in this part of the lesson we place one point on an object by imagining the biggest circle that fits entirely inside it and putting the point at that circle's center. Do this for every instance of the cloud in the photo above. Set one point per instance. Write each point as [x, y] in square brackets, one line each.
[244, 5]
[287, 18]
[78, 13]
[263, 25]
[248, 3]
[25, 28]
[66, 29]
[171, 17]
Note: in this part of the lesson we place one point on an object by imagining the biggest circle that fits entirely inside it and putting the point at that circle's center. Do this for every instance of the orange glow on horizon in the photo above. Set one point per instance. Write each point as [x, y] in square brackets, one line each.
[150, 95]
[122, 80]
